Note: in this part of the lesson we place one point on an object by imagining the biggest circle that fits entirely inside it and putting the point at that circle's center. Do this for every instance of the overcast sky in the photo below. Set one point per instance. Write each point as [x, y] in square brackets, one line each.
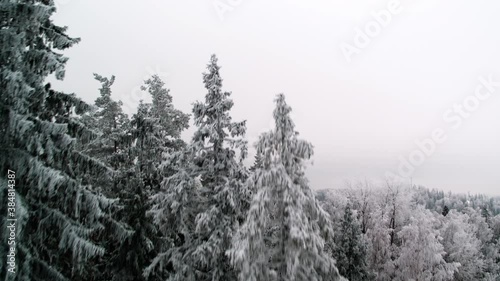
[362, 103]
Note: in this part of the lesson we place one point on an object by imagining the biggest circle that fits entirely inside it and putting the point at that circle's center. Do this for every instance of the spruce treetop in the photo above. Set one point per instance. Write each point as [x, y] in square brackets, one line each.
[284, 232]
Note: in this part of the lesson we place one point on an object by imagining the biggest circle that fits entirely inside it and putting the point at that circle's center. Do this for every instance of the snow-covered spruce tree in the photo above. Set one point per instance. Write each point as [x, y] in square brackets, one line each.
[113, 126]
[113, 141]
[127, 236]
[170, 122]
[257, 163]
[216, 143]
[445, 211]
[202, 200]
[58, 215]
[293, 250]
[350, 252]
[155, 132]
[156, 129]
[134, 252]
[174, 211]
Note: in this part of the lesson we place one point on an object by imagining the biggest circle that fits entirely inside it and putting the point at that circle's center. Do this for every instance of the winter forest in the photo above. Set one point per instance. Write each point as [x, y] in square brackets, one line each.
[89, 193]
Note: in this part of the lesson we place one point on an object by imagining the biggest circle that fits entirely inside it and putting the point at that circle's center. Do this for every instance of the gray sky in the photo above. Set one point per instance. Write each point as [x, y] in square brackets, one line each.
[362, 112]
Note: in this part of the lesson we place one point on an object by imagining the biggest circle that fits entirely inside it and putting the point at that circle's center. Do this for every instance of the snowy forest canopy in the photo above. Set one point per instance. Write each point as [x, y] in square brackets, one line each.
[99, 195]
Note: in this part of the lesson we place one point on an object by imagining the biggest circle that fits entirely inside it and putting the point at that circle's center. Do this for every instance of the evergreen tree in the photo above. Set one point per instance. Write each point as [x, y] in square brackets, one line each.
[144, 140]
[156, 129]
[129, 235]
[350, 252]
[217, 141]
[294, 248]
[112, 124]
[485, 213]
[174, 211]
[134, 252]
[257, 162]
[445, 211]
[207, 189]
[112, 144]
[169, 122]
[58, 215]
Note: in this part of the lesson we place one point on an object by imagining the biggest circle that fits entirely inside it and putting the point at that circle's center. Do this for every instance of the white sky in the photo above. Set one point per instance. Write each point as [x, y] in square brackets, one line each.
[361, 116]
